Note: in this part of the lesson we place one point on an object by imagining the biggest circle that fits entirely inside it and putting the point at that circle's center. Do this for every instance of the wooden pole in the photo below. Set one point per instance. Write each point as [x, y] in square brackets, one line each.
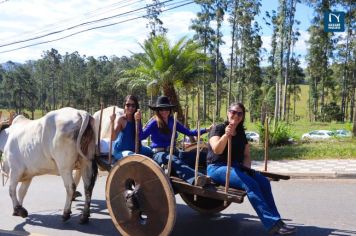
[99, 131]
[111, 136]
[12, 114]
[227, 182]
[266, 142]
[185, 124]
[172, 145]
[137, 135]
[2, 174]
[197, 158]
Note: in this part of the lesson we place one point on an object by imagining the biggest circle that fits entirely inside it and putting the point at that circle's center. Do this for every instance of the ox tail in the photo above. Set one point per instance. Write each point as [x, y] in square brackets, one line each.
[86, 137]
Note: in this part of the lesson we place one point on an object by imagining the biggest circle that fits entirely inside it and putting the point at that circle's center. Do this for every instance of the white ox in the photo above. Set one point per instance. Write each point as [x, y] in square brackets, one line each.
[105, 122]
[56, 144]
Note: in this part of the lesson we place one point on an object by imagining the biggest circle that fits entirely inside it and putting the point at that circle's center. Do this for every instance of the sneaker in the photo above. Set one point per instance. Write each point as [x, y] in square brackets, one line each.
[290, 227]
[280, 229]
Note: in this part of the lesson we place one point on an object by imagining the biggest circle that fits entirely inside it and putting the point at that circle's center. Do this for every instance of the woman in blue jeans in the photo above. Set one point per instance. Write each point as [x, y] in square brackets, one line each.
[160, 128]
[257, 187]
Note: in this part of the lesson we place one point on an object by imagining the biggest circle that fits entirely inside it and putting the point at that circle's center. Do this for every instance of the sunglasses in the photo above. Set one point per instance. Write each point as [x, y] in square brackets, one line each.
[130, 105]
[238, 113]
[164, 109]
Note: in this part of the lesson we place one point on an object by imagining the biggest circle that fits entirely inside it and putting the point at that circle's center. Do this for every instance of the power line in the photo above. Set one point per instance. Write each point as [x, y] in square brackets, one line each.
[72, 27]
[97, 27]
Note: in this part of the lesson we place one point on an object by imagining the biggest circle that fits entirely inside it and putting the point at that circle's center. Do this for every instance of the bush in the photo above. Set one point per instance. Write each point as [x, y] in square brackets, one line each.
[330, 112]
[278, 135]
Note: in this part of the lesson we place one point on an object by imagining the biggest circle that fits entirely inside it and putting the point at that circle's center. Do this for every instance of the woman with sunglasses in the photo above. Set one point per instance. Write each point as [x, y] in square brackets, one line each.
[124, 131]
[257, 187]
[160, 128]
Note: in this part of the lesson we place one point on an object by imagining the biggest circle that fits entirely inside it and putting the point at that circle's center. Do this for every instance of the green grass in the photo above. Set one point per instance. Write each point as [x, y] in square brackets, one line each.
[334, 149]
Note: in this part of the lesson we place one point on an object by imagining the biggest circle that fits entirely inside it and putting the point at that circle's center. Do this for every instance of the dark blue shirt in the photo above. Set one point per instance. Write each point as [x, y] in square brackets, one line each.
[160, 140]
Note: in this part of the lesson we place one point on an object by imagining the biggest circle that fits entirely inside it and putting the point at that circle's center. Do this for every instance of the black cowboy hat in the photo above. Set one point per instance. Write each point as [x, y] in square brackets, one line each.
[161, 102]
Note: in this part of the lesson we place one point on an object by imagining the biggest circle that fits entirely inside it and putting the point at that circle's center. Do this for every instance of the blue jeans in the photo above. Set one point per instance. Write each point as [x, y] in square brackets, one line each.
[121, 154]
[179, 168]
[257, 187]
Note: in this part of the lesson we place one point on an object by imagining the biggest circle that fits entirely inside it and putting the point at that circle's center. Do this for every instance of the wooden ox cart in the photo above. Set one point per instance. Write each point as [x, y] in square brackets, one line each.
[140, 195]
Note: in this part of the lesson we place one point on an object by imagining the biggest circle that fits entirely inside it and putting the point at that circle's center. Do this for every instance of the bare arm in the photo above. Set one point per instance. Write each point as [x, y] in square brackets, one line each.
[118, 126]
[218, 143]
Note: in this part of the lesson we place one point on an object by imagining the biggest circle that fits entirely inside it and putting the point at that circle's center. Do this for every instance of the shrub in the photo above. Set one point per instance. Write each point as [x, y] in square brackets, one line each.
[279, 134]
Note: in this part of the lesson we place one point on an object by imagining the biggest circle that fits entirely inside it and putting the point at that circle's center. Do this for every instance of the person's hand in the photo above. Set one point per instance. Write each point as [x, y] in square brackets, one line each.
[137, 115]
[112, 117]
[229, 130]
[209, 128]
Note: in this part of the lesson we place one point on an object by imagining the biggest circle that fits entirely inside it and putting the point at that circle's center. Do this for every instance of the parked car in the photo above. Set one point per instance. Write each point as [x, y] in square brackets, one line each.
[318, 135]
[252, 136]
[342, 133]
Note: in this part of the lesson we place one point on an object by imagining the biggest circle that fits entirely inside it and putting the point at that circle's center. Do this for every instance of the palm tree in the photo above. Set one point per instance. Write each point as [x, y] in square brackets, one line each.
[170, 65]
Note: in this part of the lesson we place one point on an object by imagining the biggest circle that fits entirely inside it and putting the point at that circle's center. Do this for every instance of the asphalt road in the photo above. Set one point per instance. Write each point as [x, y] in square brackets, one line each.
[315, 207]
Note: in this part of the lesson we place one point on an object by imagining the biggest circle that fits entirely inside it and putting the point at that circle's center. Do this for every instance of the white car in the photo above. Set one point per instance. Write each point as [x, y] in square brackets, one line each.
[252, 136]
[342, 133]
[318, 135]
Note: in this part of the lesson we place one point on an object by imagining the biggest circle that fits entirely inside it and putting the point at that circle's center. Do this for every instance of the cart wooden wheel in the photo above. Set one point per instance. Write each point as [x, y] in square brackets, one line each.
[140, 198]
[204, 205]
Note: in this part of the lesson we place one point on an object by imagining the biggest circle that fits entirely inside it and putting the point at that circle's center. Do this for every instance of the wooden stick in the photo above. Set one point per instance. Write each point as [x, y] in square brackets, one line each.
[185, 124]
[266, 142]
[137, 134]
[11, 117]
[2, 174]
[227, 183]
[197, 158]
[111, 136]
[99, 131]
[172, 144]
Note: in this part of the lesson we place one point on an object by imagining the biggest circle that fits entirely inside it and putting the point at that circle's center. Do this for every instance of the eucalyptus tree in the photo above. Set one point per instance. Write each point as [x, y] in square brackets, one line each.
[168, 64]
[234, 12]
[51, 68]
[219, 7]
[290, 13]
[73, 75]
[320, 52]
[204, 35]
[155, 24]
[247, 53]
[346, 56]
[20, 87]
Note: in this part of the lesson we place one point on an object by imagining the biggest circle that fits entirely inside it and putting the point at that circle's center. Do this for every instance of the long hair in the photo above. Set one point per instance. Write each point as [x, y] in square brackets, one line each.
[135, 100]
[162, 126]
[240, 127]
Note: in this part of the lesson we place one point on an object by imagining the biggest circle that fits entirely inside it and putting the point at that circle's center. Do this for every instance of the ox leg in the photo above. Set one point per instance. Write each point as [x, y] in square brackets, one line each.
[70, 189]
[23, 190]
[77, 175]
[18, 209]
[89, 173]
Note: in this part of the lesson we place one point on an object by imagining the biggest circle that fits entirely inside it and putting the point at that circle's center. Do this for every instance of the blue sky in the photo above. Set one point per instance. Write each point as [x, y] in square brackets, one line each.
[22, 19]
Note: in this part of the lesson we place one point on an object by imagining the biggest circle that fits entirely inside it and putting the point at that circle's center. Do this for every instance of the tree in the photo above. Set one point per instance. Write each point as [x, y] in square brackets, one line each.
[220, 8]
[204, 35]
[319, 53]
[154, 23]
[169, 65]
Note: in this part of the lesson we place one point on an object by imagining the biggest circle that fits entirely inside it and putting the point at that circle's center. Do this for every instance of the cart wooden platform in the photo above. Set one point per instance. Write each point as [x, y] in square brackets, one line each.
[141, 197]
